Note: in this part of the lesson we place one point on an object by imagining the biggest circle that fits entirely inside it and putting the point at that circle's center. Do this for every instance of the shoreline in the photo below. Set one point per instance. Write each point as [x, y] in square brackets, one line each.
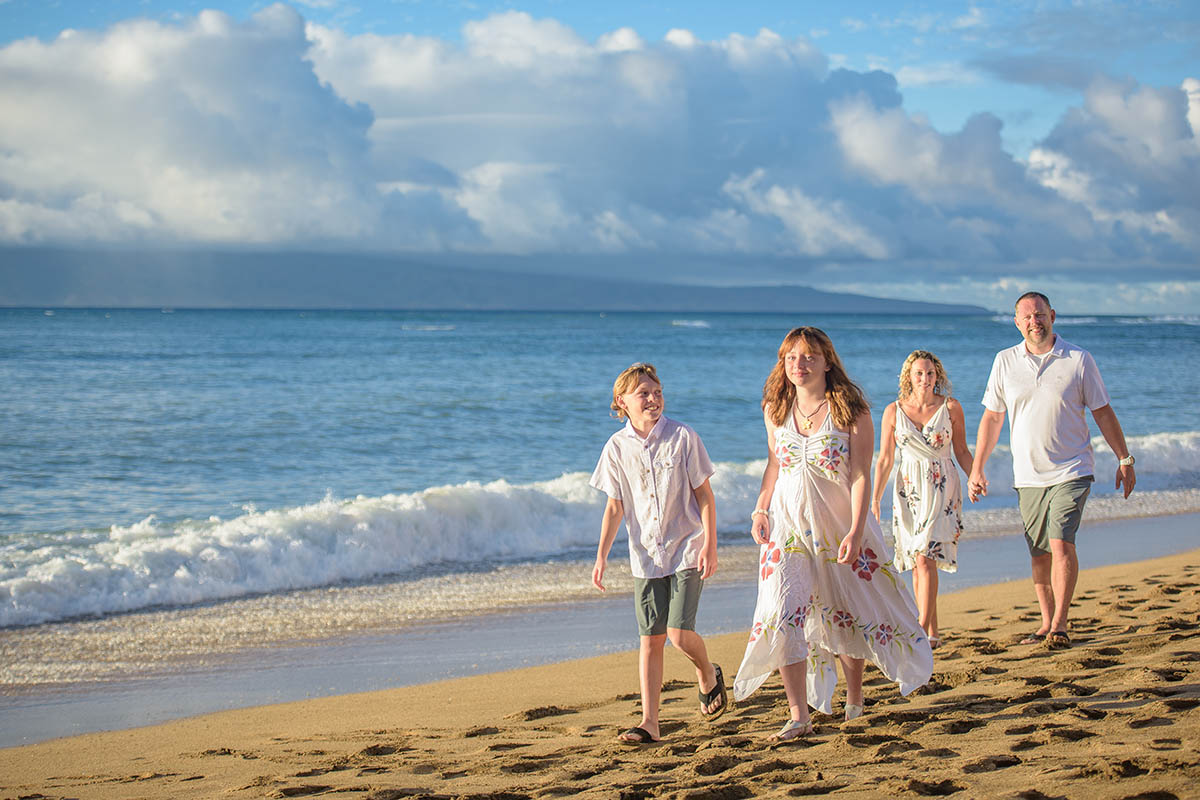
[494, 642]
[1117, 713]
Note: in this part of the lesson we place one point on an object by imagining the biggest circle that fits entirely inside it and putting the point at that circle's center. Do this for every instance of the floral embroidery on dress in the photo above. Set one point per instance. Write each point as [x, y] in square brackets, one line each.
[866, 564]
[832, 453]
[771, 556]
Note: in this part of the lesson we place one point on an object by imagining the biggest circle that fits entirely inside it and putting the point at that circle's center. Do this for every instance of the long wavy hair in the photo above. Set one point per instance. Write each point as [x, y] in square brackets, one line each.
[941, 383]
[846, 399]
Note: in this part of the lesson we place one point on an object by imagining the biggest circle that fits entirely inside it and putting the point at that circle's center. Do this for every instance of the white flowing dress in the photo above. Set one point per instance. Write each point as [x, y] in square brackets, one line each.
[926, 492]
[809, 606]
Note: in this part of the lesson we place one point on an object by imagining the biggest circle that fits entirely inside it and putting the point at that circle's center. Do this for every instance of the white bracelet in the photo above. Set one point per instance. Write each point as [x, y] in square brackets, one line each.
[758, 511]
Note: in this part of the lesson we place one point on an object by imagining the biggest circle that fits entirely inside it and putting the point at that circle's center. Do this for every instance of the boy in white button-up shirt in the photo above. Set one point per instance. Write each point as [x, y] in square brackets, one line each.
[655, 472]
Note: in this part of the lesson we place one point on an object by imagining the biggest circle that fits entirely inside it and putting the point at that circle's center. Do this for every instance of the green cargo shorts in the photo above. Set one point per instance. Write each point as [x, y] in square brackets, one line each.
[1052, 512]
[668, 602]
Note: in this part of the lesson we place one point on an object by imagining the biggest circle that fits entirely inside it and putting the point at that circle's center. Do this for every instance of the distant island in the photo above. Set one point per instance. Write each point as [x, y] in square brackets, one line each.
[60, 278]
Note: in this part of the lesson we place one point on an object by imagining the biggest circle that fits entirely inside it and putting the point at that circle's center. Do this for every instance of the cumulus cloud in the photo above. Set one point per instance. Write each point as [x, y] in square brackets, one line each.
[528, 138]
[206, 131]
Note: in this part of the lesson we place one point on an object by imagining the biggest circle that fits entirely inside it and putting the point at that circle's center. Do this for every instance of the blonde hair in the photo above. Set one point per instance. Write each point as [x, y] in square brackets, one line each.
[940, 386]
[627, 381]
[846, 399]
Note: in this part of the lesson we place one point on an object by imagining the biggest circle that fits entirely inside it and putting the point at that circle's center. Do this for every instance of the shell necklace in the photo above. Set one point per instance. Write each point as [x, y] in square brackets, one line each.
[807, 423]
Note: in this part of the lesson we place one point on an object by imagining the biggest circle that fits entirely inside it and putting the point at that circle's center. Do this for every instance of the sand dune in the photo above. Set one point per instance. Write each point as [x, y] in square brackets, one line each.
[1114, 716]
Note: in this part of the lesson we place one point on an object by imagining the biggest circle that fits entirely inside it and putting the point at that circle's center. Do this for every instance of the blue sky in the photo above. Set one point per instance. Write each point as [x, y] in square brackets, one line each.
[956, 151]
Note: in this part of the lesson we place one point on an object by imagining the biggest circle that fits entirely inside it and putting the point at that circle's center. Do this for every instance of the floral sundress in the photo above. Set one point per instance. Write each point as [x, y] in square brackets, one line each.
[926, 493]
[809, 606]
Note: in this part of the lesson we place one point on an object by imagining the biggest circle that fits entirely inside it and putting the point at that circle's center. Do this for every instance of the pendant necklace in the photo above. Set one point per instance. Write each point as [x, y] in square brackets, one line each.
[807, 424]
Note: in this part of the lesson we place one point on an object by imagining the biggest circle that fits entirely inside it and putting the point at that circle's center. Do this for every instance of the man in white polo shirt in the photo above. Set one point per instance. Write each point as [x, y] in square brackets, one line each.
[1046, 383]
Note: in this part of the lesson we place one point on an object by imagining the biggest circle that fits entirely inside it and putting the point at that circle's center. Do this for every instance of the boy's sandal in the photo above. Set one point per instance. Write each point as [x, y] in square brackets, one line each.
[711, 696]
[1058, 640]
[636, 736]
[793, 730]
[1034, 638]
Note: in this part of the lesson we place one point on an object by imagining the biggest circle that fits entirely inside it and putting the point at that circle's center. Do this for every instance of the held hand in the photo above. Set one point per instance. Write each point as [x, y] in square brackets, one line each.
[849, 549]
[977, 485]
[759, 529]
[1125, 475]
[598, 574]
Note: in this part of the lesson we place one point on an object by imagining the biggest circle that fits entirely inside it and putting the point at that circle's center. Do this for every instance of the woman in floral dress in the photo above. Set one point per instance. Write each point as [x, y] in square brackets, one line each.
[925, 423]
[826, 587]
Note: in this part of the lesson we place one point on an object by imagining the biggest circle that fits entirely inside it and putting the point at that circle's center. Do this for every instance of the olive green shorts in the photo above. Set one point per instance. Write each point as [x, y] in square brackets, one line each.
[1052, 512]
[668, 602]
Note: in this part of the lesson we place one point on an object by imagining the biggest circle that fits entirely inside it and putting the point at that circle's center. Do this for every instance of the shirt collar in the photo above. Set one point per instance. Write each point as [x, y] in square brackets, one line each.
[655, 432]
[1057, 349]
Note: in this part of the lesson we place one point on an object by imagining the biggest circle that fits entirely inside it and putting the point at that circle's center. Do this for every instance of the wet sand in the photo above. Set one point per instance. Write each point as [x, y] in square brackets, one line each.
[1114, 716]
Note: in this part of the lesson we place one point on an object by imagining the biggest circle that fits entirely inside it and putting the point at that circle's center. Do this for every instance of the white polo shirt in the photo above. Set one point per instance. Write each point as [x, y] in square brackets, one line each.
[654, 478]
[1049, 435]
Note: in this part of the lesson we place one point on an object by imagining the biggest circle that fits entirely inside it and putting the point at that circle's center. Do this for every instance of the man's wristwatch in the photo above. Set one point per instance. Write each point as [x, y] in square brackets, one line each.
[1127, 461]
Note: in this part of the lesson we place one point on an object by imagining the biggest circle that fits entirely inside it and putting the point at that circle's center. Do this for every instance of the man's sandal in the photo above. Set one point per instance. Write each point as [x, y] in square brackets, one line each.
[636, 736]
[711, 696]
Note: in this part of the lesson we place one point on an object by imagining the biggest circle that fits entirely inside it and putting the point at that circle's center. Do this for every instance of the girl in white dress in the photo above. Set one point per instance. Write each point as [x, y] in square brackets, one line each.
[925, 424]
[826, 586]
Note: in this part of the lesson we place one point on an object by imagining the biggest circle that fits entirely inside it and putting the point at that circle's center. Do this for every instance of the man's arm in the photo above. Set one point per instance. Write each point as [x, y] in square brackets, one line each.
[1110, 427]
[990, 425]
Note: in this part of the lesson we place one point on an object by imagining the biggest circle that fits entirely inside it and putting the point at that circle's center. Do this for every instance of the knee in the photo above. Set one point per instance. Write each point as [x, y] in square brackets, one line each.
[681, 638]
[654, 642]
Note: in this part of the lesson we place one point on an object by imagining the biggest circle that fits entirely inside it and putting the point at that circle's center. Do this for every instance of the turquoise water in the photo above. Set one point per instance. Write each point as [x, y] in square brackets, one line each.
[157, 459]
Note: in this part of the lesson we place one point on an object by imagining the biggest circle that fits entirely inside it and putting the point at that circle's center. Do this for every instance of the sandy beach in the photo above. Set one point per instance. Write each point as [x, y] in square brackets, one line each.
[1114, 716]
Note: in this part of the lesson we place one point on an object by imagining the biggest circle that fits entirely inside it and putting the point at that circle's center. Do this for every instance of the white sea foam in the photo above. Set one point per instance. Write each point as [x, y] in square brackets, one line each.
[154, 563]
[691, 323]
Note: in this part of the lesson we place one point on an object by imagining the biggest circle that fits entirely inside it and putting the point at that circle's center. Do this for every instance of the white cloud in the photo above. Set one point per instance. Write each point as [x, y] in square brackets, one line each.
[528, 138]
[208, 131]
[944, 74]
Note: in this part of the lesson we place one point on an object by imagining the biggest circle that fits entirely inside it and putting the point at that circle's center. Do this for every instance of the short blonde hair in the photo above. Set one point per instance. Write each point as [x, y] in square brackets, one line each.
[628, 380]
[941, 384]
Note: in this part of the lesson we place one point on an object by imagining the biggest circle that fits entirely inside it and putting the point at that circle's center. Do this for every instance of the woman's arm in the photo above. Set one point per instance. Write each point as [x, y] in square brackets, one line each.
[759, 527]
[958, 436]
[862, 443]
[887, 456]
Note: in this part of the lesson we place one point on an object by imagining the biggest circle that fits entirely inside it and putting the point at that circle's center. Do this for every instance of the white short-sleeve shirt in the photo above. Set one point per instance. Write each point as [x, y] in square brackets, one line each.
[1049, 434]
[654, 478]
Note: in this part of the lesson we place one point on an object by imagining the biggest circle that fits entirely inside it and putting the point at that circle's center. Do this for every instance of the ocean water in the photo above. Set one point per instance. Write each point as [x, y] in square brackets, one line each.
[206, 509]
[155, 459]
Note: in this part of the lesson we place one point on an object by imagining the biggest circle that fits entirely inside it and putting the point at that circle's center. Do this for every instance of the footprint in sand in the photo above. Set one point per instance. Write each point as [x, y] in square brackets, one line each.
[529, 715]
[1148, 722]
[930, 789]
[991, 764]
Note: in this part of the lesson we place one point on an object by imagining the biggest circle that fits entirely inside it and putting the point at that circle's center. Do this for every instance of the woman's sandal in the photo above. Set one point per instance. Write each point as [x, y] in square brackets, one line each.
[711, 696]
[793, 730]
[935, 642]
[853, 711]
